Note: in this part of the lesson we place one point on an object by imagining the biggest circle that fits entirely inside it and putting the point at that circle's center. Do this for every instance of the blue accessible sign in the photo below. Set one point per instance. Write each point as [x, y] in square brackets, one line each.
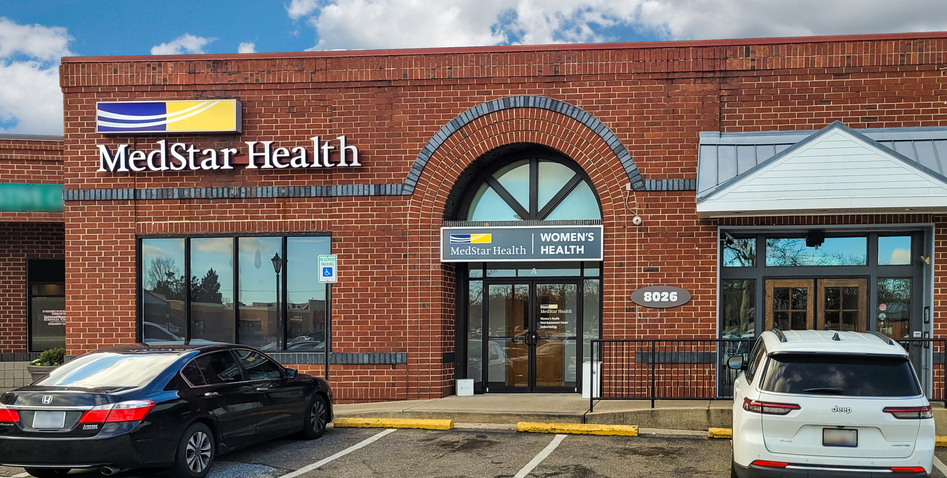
[328, 270]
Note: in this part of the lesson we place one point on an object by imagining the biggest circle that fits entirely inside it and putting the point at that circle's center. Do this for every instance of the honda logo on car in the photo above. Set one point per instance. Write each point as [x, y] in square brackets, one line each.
[47, 399]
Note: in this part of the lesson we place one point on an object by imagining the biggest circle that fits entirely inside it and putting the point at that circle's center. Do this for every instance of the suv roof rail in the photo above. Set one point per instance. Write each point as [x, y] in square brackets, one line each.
[881, 336]
[779, 334]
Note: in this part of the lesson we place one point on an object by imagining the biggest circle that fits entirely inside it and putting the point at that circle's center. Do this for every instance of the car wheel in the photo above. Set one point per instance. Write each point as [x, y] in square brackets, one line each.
[317, 417]
[47, 472]
[733, 464]
[195, 453]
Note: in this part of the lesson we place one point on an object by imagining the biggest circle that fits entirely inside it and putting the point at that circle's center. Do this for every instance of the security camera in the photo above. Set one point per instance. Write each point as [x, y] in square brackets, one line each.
[728, 239]
[637, 220]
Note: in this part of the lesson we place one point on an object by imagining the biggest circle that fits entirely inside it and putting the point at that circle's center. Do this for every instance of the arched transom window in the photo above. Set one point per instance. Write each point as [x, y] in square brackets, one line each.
[535, 187]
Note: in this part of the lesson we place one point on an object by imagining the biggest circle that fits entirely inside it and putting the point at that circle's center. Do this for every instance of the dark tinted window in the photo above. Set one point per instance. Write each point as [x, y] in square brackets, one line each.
[108, 369]
[853, 375]
[258, 366]
[756, 356]
[192, 374]
[219, 367]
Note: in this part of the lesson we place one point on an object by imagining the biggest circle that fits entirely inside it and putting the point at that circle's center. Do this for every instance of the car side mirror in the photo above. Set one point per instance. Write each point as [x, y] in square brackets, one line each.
[735, 362]
[290, 373]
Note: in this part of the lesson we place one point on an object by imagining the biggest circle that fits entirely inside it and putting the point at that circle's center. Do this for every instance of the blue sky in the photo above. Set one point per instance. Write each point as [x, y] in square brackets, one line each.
[35, 34]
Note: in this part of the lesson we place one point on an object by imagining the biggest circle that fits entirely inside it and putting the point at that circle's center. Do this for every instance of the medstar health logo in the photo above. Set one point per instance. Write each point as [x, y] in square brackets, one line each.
[210, 116]
[471, 238]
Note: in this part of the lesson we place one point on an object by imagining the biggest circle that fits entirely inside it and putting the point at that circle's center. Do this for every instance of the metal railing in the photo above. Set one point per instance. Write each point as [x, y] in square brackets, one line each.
[696, 369]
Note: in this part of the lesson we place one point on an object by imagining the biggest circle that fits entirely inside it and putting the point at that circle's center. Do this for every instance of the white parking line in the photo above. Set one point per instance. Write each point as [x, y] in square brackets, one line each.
[308, 468]
[940, 466]
[21, 475]
[540, 457]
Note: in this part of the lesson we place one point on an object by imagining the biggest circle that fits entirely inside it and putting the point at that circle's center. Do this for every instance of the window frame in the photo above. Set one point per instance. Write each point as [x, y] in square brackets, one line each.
[533, 158]
[187, 273]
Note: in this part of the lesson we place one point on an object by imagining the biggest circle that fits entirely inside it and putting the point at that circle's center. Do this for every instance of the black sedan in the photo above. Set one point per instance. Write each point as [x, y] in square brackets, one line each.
[167, 406]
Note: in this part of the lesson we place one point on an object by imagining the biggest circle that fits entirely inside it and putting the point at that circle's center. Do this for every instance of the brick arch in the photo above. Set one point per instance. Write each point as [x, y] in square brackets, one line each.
[514, 102]
[433, 322]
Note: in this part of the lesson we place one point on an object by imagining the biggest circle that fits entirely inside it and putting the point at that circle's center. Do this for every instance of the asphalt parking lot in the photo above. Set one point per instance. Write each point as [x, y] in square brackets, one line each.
[474, 451]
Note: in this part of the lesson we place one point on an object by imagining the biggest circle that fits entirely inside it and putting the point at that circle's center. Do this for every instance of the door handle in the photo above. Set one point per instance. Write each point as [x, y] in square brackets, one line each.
[262, 389]
[211, 395]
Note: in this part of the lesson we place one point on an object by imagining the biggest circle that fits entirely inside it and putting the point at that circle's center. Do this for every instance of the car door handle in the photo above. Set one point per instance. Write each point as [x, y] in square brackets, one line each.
[211, 395]
[262, 389]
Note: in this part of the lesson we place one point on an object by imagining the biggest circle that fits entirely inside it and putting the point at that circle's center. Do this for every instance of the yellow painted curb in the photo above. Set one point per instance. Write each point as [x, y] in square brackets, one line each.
[720, 433]
[430, 424]
[940, 441]
[578, 428]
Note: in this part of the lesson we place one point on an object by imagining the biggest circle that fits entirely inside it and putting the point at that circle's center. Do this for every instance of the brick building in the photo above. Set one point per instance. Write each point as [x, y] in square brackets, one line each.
[493, 209]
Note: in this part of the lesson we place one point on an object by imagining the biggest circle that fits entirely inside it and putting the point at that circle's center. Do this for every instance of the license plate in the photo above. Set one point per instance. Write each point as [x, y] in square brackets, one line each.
[839, 437]
[47, 420]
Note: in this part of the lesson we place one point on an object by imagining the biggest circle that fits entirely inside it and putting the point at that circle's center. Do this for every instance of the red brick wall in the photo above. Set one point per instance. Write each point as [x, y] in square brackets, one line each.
[22, 241]
[393, 294]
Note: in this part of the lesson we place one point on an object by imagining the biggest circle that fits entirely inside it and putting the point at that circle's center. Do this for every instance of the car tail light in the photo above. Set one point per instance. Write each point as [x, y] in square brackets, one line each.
[769, 408]
[907, 469]
[770, 464]
[910, 412]
[120, 412]
[9, 415]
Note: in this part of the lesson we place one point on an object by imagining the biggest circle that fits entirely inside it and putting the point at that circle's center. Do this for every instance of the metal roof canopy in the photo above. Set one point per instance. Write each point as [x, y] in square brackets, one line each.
[835, 170]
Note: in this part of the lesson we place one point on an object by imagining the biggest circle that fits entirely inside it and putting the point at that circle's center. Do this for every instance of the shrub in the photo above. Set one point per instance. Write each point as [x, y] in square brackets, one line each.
[51, 357]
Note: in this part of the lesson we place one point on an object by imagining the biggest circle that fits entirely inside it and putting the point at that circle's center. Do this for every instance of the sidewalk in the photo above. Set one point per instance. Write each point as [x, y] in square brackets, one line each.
[694, 415]
[551, 408]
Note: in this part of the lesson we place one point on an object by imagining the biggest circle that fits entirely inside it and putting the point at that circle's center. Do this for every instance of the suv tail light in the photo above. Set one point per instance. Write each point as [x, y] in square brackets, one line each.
[770, 464]
[907, 469]
[907, 413]
[119, 412]
[9, 415]
[769, 408]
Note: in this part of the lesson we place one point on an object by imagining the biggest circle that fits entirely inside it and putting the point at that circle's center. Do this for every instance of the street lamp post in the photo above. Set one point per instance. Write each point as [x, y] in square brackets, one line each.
[277, 265]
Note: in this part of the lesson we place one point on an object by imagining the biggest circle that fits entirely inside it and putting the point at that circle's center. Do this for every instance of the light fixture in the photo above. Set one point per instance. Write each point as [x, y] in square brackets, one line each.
[815, 238]
[277, 263]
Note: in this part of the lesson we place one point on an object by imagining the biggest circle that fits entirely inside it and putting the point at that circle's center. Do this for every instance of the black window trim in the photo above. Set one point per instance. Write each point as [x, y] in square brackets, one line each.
[140, 304]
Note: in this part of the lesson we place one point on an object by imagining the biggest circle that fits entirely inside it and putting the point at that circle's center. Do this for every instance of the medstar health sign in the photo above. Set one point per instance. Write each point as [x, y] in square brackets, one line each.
[521, 243]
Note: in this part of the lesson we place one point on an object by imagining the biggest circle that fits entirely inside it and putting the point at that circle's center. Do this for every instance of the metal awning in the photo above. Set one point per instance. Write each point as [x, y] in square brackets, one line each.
[831, 171]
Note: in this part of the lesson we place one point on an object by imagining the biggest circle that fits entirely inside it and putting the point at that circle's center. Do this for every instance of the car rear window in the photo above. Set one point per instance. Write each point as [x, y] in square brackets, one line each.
[851, 375]
[109, 369]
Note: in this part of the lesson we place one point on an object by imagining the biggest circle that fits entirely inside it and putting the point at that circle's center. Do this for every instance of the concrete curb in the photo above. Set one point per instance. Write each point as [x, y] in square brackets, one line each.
[353, 422]
[940, 441]
[578, 429]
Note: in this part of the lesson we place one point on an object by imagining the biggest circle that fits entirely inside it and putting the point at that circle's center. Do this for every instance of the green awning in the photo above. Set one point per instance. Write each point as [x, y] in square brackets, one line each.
[19, 197]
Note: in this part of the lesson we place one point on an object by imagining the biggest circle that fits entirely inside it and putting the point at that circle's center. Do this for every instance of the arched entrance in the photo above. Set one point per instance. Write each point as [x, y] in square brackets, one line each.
[525, 233]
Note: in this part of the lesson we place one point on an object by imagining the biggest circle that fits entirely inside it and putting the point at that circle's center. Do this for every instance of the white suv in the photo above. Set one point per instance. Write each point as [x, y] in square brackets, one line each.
[824, 403]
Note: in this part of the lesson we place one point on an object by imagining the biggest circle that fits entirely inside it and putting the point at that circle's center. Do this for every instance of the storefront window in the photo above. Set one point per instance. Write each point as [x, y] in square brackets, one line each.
[834, 251]
[591, 320]
[475, 330]
[894, 250]
[211, 289]
[163, 291]
[894, 308]
[739, 309]
[289, 315]
[307, 304]
[740, 252]
[47, 306]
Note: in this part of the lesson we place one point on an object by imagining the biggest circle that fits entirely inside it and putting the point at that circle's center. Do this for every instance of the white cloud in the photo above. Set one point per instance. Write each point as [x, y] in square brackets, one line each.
[246, 47]
[301, 8]
[185, 44]
[38, 42]
[371, 24]
[30, 97]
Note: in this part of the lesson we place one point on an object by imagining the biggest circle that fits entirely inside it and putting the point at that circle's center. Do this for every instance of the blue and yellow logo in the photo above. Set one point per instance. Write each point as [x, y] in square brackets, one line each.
[210, 116]
[471, 238]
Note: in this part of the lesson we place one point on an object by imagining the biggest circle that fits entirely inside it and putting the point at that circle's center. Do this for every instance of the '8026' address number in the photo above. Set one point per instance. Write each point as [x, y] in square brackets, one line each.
[660, 296]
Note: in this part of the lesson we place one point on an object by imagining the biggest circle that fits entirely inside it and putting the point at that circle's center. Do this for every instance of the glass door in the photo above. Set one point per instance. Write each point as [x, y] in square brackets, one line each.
[531, 336]
[819, 304]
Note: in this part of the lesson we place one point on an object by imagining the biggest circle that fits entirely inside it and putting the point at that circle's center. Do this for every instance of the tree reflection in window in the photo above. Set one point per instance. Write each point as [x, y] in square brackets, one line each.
[535, 189]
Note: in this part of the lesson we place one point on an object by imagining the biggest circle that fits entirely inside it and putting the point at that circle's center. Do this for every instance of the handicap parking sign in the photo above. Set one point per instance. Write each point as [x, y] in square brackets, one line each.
[327, 268]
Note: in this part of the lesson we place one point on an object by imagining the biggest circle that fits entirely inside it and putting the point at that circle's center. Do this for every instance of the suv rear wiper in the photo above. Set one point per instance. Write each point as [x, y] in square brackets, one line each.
[825, 390]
